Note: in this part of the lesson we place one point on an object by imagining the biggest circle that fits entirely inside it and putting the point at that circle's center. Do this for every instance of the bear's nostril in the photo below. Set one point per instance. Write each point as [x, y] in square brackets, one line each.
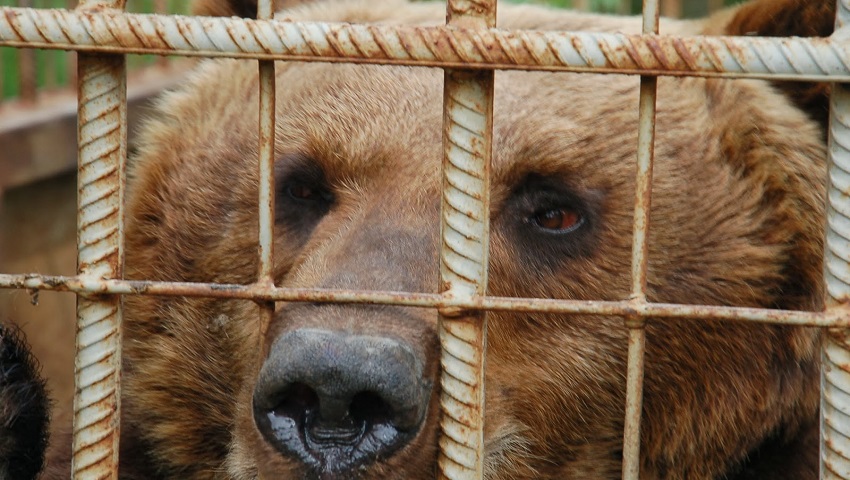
[370, 408]
[297, 401]
[301, 417]
[335, 401]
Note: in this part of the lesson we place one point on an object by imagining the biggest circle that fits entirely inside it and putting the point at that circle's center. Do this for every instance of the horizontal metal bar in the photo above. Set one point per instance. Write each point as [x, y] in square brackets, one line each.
[435, 46]
[833, 317]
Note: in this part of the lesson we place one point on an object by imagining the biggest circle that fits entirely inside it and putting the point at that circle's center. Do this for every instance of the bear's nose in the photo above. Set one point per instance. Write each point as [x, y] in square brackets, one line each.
[336, 401]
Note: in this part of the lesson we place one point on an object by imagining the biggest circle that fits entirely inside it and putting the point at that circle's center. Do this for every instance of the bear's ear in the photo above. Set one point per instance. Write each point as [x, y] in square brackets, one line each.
[790, 18]
[784, 18]
[236, 8]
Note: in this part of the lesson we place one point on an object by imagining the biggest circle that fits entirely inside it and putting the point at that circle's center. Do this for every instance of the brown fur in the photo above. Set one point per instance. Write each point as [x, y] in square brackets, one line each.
[736, 220]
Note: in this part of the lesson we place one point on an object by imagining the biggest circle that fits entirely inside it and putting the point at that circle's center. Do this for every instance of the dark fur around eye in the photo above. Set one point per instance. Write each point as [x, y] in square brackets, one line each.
[550, 221]
[302, 193]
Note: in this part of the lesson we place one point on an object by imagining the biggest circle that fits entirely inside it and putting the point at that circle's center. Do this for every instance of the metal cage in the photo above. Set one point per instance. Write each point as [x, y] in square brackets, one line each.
[469, 49]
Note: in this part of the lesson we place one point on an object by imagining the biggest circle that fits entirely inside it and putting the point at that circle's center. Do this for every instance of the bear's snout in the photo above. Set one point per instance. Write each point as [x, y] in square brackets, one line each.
[335, 401]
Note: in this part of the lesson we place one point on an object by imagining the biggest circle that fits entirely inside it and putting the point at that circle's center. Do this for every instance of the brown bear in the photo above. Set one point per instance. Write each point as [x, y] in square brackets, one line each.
[351, 391]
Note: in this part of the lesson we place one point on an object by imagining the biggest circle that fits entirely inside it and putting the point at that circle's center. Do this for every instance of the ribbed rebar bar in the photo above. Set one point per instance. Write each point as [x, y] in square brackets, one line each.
[835, 388]
[778, 58]
[102, 143]
[464, 231]
[835, 357]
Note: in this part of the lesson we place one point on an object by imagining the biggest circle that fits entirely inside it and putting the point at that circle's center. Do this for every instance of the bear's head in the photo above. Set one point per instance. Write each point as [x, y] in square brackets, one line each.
[352, 390]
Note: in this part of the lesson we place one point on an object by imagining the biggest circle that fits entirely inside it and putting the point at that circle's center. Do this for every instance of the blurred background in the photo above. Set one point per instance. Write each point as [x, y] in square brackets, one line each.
[38, 160]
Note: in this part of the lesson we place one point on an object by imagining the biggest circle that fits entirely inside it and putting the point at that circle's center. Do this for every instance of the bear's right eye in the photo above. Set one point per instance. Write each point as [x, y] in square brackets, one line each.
[302, 192]
[303, 195]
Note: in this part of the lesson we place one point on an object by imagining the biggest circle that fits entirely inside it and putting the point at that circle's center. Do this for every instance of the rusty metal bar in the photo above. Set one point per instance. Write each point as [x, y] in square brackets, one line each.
[714, 5]
[160, 7]
[640, 254]
[835, 317]
[71, 67]
[26, 80]
[448, 47]
[50, 70]
[672, 8]
[26, 68]
[464, 233]
[266, 158]
[835, 376]
[102, 143]
[266, 181]
[582, 5]
[835, 354]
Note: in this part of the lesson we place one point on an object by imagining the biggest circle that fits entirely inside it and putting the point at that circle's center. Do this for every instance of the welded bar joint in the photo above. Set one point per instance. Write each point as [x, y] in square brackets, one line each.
[102, 144]
[439, 46]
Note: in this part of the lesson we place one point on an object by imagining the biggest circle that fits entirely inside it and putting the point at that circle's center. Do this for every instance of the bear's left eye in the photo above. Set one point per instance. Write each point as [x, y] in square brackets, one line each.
[549, 219]
[557, 220]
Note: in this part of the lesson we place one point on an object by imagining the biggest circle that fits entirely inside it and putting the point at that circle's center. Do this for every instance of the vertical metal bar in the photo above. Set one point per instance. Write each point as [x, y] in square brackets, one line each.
[465, 225]
[71, 66]
[267, 120]
[672, 8]
[715, 5]
[266, 157]
[835, 354]
[26, 67]
[835, 369]
[265, 250]
[161, 8]
[50, 69]
[102, 143]
[643, 196]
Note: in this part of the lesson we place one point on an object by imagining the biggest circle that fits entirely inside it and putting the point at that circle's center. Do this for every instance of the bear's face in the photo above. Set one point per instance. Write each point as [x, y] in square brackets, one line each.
[345, 391]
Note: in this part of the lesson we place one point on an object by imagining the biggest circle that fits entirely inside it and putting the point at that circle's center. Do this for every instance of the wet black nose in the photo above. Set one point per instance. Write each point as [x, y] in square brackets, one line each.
[336, 401]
